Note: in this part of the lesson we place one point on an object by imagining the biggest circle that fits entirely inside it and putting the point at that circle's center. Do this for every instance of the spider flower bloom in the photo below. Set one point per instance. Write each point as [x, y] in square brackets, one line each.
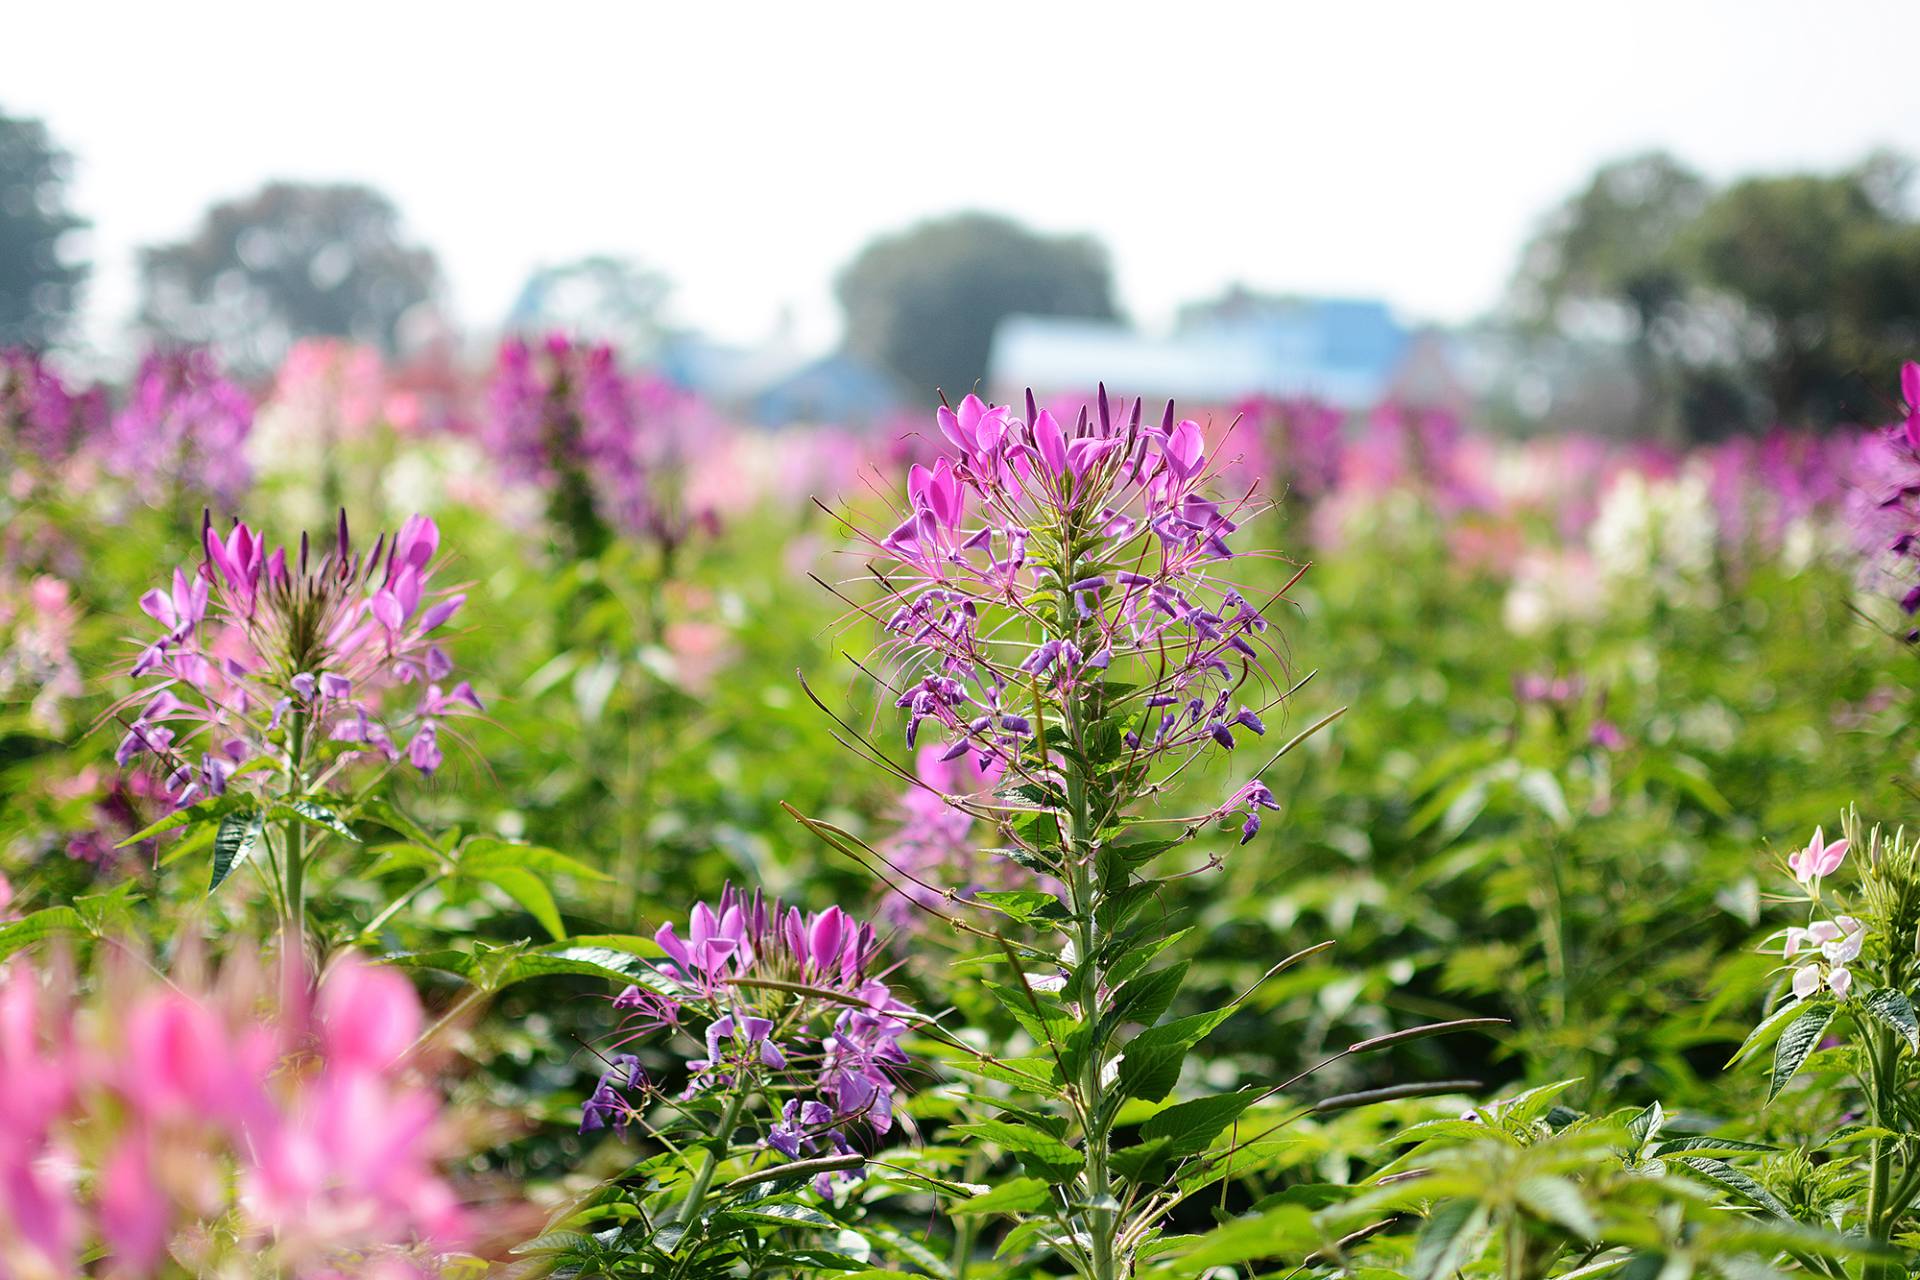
[1035, 561]
[776, 998]
[264, 653]
[563, 416]
[184, 430]
[1819, 859]
[218, 1125]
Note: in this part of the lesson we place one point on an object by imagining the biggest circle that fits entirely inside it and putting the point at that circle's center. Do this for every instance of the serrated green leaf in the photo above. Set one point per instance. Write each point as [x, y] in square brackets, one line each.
[1893, 1010]
[1800, 1039]
[779, 1215]
[178, 818]
[389, 816]
[1015, 1195]
[558, 1242]
[1189, 1126]
[1024, 905]
[1764, 1031]
[318, 815]
[1283, 1230]
[1446, 1238]
[524, 887]
[45, 923]
[1056, 1157]
[486, 852]
[1709, 1147]
[1138, 956]
[235, 842]
[1145, 998]
[1150, 1063]
[1726, 1175]
[1647, 1122]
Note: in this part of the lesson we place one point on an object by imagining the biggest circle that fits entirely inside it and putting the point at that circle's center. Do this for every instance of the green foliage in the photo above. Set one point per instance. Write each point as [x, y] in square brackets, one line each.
[1463, 899]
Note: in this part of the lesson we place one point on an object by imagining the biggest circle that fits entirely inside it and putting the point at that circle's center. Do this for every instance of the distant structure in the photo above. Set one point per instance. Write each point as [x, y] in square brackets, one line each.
[1349, 352]
[776, 385]
[837, 389]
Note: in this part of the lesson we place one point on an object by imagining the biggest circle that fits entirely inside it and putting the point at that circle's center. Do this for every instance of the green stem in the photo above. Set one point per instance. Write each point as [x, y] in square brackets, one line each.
[473, 996]
[1103, 1220]
[967, 1225]
[697, 1193]
[636, 793]
[1514, 1265]
[1883, 1056]
[395, 907]
[295, 907]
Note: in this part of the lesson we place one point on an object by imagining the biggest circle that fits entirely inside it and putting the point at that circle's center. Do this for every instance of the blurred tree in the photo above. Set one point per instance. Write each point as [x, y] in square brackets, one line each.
[39, 284]
[599, 299]
[1823, 276]
[924, 302]
[1778, 299]
[292, 260]
[1609, 260]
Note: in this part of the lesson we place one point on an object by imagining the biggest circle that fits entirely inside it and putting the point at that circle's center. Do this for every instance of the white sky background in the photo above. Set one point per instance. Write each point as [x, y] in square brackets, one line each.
[1395, 150]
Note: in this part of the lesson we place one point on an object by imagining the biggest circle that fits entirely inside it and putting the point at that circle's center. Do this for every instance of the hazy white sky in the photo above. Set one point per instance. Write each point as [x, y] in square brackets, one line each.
[1398, 150]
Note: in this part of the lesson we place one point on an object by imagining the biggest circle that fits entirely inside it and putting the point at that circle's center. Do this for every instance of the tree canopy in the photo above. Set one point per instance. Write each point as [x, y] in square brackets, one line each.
[1775, 299]
[40, 278]
[924, 302]
[291, 260]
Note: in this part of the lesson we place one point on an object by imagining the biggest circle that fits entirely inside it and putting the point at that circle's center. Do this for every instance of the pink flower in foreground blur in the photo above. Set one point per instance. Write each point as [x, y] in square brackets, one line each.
[1818, 859]
[324, 645]
[225, 1131]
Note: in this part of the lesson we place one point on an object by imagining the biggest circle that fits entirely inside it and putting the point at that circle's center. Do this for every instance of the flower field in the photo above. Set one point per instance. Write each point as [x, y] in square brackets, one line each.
[514, 820]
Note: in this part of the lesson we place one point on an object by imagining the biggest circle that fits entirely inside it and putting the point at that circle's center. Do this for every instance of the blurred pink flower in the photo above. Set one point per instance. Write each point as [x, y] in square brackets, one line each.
[301, 1135]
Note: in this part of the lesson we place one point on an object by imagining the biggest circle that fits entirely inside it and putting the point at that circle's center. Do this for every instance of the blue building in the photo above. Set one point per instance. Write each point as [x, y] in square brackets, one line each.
[1351, 353]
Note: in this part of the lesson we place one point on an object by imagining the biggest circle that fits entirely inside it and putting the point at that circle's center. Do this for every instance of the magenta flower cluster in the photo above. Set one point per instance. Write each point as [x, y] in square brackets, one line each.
[1036, 558]
[190, 1115]
[183, 429]
[264, 652]
[39, 413]
[1885, 506]
[1297, 440]
[789, 1004]
[564, 416]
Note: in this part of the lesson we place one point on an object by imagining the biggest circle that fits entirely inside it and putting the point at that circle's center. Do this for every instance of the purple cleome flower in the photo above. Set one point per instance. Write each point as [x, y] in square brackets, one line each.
[982, 589]
[781, 1002]
[256, 644]
[564, 416]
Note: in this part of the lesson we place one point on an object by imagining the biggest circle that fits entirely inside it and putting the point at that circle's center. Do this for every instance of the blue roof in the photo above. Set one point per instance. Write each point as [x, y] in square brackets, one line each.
[1345, 351]
[839, 389]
